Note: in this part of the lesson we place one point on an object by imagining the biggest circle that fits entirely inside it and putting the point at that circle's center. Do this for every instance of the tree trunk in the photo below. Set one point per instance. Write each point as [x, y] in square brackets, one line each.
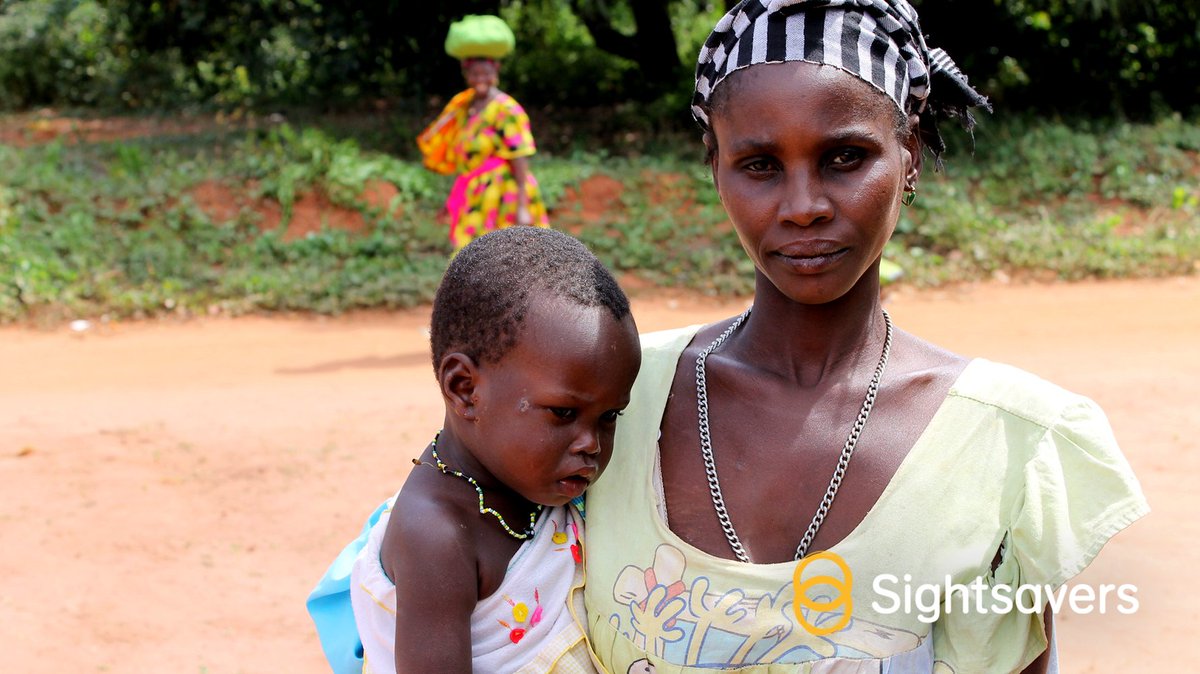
[652, 47]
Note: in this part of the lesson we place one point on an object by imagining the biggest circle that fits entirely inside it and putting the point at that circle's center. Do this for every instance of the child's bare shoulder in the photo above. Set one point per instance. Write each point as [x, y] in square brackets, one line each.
[427, 529]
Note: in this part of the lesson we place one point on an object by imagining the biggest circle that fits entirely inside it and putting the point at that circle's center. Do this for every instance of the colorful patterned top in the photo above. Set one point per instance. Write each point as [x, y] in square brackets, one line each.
[1009, 462]
[479, 149]
[532, 624]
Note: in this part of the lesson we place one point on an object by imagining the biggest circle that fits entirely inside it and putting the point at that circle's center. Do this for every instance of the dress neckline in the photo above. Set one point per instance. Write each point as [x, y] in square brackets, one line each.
[471, 116]
[898, 478]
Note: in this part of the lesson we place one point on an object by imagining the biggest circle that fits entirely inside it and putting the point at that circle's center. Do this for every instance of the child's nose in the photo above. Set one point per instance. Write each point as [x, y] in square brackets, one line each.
[588, 442]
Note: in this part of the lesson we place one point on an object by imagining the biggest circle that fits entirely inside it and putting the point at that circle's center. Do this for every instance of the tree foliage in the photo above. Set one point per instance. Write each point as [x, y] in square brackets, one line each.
[1099, 56]
[57, 51]
[1094, 56]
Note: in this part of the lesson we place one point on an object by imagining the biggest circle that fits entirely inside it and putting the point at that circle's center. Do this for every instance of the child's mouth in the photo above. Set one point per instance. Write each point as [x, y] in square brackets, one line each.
[574, 485]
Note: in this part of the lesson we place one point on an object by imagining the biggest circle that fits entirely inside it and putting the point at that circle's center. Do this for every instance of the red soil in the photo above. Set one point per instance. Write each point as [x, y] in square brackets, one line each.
[172, 491]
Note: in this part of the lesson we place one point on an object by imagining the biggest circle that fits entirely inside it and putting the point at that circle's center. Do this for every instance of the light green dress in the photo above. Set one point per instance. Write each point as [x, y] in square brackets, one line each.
[1009, 463]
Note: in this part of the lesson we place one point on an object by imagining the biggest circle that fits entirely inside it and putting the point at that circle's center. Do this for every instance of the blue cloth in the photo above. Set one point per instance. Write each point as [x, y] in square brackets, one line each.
[329, 606]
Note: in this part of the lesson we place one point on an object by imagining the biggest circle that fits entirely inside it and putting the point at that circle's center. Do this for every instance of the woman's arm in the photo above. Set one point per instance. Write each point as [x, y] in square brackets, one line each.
[520, 169]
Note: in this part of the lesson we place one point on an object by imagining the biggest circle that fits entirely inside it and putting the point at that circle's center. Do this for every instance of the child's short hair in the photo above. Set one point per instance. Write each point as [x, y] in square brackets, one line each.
[483, 298]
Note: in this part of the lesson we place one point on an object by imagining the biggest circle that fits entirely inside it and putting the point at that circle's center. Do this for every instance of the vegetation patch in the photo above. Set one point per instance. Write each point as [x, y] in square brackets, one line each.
[234, 218]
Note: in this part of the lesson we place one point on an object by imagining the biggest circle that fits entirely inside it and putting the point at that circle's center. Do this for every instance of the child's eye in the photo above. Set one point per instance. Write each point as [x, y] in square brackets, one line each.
[610, 417]
[564, 413]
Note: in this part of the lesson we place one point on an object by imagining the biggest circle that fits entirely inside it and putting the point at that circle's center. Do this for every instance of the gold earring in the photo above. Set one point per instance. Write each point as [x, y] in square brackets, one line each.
[909, 197]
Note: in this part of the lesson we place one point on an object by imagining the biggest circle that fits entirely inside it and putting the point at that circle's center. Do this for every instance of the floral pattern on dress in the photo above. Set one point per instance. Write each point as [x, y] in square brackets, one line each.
[684, 620]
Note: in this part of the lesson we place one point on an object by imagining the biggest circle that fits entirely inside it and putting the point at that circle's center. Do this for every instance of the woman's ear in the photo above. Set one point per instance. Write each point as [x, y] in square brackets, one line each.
[916, 152]
[710, 156]
[458, 377]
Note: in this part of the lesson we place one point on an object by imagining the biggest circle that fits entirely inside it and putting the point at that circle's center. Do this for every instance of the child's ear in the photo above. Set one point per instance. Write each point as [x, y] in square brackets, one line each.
[458, 377]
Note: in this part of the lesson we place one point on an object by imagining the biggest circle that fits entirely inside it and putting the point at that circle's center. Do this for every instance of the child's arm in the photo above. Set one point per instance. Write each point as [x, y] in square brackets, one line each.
[432, 562]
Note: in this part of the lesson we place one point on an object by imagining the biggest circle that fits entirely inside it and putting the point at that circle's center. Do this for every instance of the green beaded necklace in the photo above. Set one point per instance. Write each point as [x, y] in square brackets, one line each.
[483, 509]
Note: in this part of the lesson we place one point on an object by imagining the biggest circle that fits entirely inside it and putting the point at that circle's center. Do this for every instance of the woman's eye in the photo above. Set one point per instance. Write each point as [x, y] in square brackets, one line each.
[846, 156]
[757, 166]
[564, 413]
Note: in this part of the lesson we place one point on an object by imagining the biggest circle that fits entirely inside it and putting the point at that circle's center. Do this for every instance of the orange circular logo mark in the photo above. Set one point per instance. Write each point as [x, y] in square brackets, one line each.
[842, 586]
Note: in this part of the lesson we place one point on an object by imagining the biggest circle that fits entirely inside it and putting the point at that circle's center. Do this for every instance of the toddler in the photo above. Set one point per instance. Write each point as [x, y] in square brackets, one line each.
[477, 564]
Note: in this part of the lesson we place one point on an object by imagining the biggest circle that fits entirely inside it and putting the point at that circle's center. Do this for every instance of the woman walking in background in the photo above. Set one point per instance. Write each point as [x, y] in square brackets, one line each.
[483, 135]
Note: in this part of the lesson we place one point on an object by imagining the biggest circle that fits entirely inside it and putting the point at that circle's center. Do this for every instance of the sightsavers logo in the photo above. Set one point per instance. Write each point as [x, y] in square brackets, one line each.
[823, 594]
[931, 600]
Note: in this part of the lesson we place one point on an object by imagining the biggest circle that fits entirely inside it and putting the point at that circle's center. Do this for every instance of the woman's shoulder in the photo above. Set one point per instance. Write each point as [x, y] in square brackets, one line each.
[504, 101]
[673, 339]
[661, 351]
[689, 340]
[1017, 392]
[995, 386]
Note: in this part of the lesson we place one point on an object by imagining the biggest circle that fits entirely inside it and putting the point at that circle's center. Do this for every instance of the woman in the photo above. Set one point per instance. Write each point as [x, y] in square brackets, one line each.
[746, 448]
[483, 135]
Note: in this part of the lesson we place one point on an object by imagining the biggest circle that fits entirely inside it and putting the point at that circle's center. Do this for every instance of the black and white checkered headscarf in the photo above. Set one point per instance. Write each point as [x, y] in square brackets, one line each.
[878, 41]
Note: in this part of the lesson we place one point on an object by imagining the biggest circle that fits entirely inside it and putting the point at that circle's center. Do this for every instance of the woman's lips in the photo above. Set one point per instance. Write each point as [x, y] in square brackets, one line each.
[811, 259]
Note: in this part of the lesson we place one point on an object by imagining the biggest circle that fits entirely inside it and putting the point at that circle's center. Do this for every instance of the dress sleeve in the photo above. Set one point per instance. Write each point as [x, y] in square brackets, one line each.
[516, 138]
[1078, 492]
[437, 141]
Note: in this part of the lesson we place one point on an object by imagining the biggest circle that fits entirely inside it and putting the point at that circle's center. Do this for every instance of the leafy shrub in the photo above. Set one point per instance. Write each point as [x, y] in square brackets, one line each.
[110, 228]
[56, 51]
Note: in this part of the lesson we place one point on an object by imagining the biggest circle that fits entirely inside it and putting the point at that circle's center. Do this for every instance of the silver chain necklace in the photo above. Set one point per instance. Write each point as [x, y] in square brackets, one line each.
[710, 465]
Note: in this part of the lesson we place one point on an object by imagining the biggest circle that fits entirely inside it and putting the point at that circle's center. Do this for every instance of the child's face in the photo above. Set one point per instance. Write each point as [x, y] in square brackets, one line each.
[546, 412]
[811, 172]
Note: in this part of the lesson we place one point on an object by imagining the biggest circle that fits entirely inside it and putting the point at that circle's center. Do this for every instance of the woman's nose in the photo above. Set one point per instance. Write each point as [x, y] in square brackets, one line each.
[805, 201]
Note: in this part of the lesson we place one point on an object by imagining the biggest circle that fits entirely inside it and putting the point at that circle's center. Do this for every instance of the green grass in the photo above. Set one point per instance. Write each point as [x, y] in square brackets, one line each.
[1053, 198]
[115, 228]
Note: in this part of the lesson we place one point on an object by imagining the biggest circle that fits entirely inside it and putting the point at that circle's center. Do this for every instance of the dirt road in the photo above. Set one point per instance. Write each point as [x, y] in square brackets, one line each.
[171, 491]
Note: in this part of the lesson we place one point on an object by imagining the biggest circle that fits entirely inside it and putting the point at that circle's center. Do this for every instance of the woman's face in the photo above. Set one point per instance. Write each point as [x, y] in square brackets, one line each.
[481, 75]
[811, 171]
